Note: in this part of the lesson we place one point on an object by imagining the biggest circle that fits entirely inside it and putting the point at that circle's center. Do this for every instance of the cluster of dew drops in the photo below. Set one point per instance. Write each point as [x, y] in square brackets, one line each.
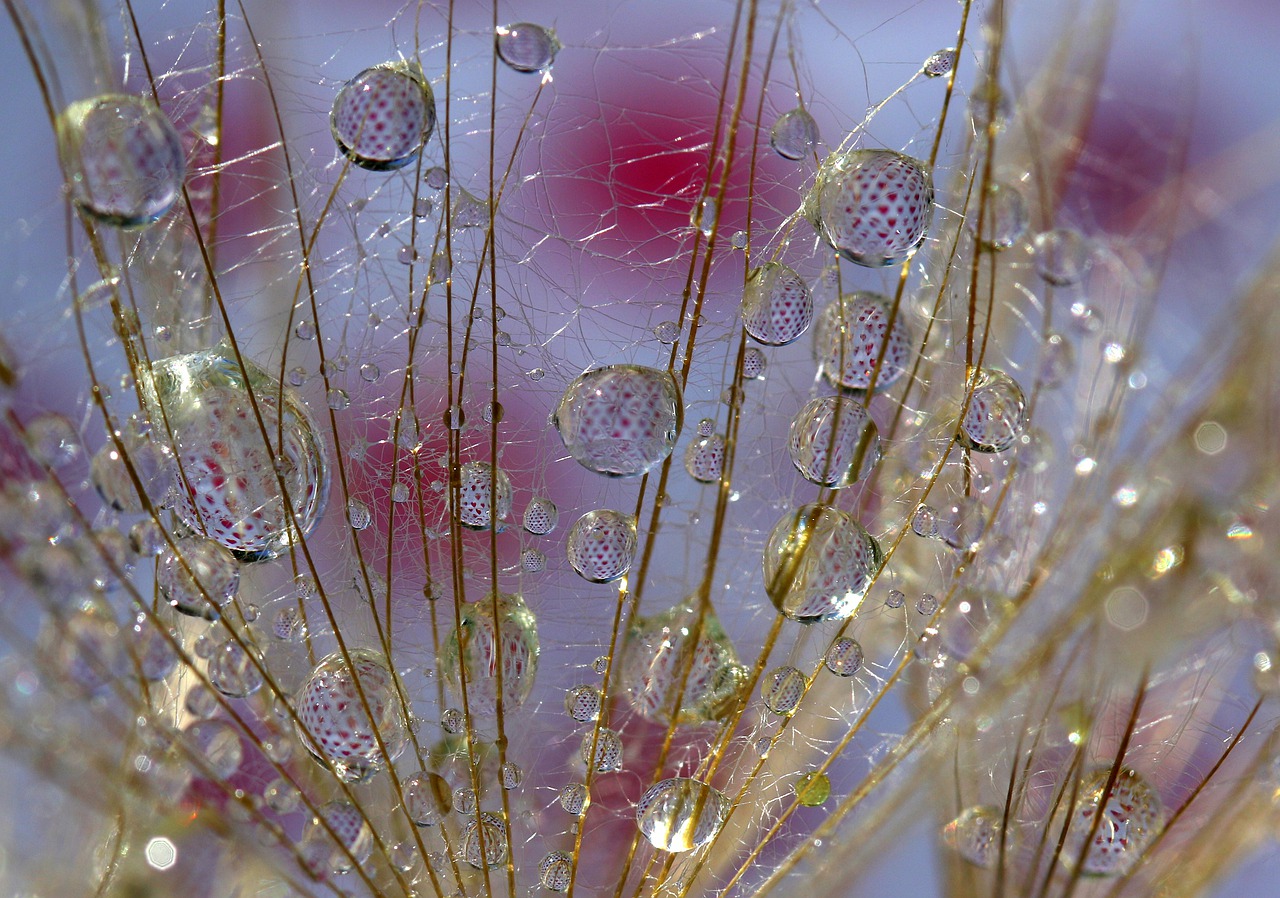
[242, 466]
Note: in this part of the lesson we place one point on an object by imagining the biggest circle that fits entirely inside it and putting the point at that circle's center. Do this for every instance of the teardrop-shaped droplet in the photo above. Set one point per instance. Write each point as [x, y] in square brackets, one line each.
[776, 305]
[833, 442]
[794, 135]
[526, 47]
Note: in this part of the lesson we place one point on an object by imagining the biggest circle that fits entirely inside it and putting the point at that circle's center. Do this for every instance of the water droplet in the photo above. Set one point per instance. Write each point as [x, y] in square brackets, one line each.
[704, 458]
[197, 576]
[555, 870]
[512, 776]
[53, 439]
[464, 801]
[533, 560]
[492, 412]
[871, 206]
[833, 442]
[305, 330]
[218, 745]
[124, 160]
[601, 664]
[620, 420]
[667, 332]
[844, 657]
[996, 415]
[753, 367]
[602, 545]
[1006, 216]
[541, 516]
[369, 372]
[818, 564]
[927, 603]
[280, 796]
[452, 721]
[924, 522]
[526, 47]
[853, 333]
[427, 799]
[469, 211]
[240, 435]
[354, 838]
[975, 835]
[484, 496]
[1057, 359]
[1132, 817]
[940, 63]
[895, 599]
[1062, 256]
[794, 135]
[813, 789]
[358, 514]
[680, 814]
[493, 832]
[383, 116]
[582, 703]
[782, 690]
[509, 638]
[338, 399]
[435, 177]
[232, 671]
[706, 427]
[776, 305]
[654, 657]
[341, 729]
[151, 464]
[574, 798]
[738, 240]
[608, 750]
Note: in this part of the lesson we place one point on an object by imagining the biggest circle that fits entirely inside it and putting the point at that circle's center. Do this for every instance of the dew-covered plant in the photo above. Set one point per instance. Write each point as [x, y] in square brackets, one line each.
[642, 449]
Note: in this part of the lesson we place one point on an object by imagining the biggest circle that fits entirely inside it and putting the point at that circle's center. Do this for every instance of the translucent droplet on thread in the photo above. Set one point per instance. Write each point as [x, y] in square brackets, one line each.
[382, 118]
[620, 420]
[833, 442]
[819, 563]
[680, 814]
[776, 305]
[526, 47]
[794, 135]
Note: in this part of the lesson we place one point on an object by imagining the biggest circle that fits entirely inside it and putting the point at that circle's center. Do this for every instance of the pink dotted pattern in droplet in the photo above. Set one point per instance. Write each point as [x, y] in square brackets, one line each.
[1132, 816]
[653, 667]
[382, 117]
[229, 488]
[479, 496]
[833, 442]
[620, 420]
[602, 545]
[776, 305]
[334, 724]
[704, 459]
[996, 415]
[853, 332]
[874, 205]
[124, 157]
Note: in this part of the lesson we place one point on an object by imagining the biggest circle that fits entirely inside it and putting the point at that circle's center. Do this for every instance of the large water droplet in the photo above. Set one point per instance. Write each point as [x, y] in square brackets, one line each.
[853, 332]
[819, 563]
[620, 420]
[233, 464]
[427, 798]
[541, 516]
[337, 726]
[782, 690]
[383, 117]
[975, 834]
[654, 657]
[490, 829]
[602, 545]
[776, 305]
[197, 576]
[833, 442]
[123, 158]
[680, 814]
[996, 415]
[555, 871]
[484, 495]
[704, 458]
[526, 47]
[871, 206]
[509, 639]
[1132, 817]
[794, 135]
